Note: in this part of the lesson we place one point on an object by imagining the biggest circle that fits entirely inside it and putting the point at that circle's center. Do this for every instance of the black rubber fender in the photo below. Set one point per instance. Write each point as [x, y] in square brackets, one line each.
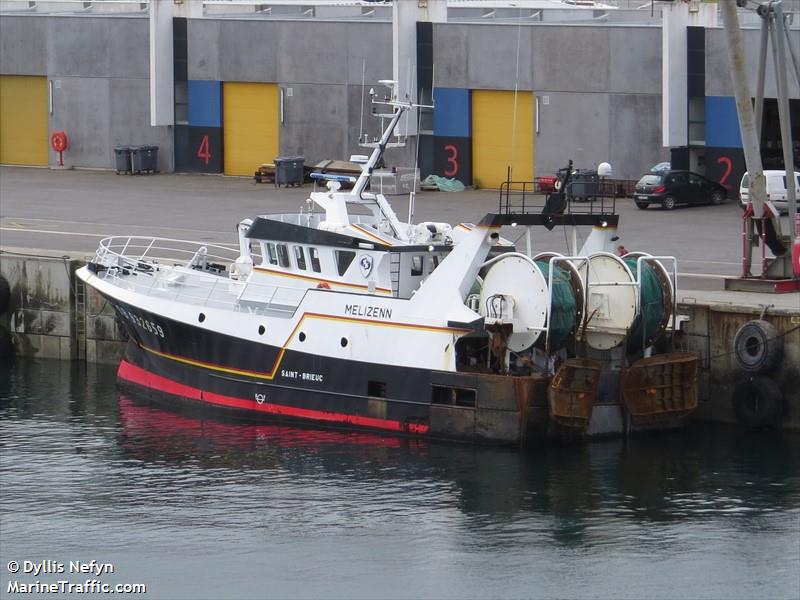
[5, 295]
[757, 401]
[758, 347]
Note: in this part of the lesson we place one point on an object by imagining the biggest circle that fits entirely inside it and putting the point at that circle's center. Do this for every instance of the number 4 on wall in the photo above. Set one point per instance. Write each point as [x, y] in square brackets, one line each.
[203, 152]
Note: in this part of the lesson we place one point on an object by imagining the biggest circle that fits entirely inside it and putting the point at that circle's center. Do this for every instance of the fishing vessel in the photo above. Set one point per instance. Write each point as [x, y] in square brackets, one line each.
[343, 314]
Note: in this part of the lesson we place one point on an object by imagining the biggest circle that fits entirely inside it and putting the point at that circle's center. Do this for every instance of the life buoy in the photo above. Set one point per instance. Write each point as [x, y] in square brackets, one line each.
[5, 295]
[59, 141]
[757, 401]
[323, 285]
[758, 347]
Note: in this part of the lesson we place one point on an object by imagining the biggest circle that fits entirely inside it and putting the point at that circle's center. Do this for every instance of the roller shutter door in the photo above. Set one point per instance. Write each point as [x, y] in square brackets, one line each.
[500, 140]
[23, 120]
[250, 126]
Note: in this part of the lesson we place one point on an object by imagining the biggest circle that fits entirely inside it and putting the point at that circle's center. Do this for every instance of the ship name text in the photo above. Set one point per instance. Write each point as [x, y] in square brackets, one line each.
[375, 312]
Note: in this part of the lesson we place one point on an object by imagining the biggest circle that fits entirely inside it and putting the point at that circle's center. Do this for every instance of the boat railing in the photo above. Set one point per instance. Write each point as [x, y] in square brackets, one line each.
[142, 253]
[581, 197]
[190, 273]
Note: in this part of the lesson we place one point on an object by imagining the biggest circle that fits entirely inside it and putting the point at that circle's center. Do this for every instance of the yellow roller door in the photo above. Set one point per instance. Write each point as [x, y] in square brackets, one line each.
[250, 125]
[23, 120]
[500, 140]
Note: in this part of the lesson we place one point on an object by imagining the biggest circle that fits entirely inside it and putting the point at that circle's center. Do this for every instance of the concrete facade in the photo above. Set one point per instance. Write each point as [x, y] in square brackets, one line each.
[598, 86]
[718, 78]
[99, 71]
[318, 66]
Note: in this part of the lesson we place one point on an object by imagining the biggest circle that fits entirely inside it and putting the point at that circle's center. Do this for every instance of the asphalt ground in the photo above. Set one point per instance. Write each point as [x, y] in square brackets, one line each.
[71, 210]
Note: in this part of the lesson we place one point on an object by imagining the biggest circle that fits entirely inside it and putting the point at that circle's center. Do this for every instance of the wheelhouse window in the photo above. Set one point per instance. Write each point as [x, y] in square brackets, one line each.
[313, 254]
[272, 254]
[300, 257]
[256, 253]
[433, 262]
[343, 260]
[283, 256]
[416, 265]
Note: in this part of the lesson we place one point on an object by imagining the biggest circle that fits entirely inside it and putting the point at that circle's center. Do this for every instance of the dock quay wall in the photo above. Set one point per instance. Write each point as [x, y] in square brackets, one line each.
[53, 315]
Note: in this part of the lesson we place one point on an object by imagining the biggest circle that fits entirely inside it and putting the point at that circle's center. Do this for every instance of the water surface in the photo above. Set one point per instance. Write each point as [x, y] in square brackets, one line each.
[209, 509]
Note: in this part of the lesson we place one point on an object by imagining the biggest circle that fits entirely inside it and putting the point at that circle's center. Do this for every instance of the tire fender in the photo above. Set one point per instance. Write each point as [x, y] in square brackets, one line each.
[757, 401]
[758, 347]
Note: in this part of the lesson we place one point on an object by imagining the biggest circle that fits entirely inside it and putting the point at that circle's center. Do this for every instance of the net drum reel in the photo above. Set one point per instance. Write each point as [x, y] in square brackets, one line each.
[657, 298]
[611, 304]
[513, 300]
[566, 299]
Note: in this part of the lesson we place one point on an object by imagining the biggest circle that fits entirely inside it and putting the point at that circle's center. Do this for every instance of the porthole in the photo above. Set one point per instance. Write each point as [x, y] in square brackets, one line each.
[261, 330]
[201, 317]
[343, 342]
[302, 336]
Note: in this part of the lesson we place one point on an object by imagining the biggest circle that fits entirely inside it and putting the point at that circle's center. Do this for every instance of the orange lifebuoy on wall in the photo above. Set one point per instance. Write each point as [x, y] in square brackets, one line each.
[59, 141]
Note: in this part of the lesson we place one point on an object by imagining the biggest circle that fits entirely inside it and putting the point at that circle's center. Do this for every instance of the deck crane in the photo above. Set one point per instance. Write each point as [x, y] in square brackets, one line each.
[761, 219]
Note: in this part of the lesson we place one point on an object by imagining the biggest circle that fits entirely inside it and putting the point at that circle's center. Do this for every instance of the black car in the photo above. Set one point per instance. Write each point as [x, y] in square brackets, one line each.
[671, 188]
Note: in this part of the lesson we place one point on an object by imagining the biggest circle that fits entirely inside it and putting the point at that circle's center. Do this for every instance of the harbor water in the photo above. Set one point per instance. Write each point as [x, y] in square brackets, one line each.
[201, 508]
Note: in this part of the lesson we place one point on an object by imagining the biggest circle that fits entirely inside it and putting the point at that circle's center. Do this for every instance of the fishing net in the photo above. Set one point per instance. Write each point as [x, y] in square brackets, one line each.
[647, 325]
[563, 310]
[443, 184]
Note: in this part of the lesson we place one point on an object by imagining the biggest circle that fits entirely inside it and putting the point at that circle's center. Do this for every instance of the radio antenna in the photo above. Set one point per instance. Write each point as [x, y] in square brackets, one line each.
[363, 86]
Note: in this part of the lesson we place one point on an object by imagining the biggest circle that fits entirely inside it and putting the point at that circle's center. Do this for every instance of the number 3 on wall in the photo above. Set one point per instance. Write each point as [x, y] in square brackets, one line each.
[452, 159]
[724, 160]
[203, 152]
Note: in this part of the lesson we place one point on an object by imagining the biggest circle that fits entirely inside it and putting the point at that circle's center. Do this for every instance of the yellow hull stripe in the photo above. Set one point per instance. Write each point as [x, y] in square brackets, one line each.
[356, 286]
[380, 240]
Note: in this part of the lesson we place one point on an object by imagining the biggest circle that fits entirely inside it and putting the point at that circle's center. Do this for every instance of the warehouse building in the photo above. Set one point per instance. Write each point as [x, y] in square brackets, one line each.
[222, 86]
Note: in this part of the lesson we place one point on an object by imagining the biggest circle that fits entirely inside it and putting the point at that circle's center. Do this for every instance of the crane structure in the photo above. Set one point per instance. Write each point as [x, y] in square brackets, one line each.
[761, 220]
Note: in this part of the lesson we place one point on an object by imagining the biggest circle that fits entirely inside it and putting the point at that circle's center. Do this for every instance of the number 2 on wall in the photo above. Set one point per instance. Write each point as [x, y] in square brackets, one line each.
[203, 151]
[452, 159]
[724, 160]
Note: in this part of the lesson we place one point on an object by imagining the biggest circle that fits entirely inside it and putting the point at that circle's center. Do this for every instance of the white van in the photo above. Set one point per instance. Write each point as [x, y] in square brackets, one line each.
[776, 189]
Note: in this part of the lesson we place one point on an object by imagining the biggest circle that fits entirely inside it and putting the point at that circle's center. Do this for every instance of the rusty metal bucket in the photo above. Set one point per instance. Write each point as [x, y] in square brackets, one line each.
[661, 389]
[572, 393]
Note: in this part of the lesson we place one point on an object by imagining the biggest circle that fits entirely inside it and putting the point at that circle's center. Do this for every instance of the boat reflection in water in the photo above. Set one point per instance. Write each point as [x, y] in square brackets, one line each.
[691, 474]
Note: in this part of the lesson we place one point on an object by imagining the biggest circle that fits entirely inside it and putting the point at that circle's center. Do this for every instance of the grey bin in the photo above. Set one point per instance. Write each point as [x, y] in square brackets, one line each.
[122, 159]
[144, 159]
[584, 185]
[289, 170]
